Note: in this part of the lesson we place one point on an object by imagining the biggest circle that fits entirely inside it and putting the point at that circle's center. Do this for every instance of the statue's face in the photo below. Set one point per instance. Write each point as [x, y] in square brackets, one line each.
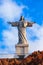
[22, 18]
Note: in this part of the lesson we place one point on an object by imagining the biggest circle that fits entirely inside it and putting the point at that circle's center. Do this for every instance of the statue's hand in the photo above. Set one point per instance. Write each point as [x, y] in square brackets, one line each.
[32, 22]
[9, 22]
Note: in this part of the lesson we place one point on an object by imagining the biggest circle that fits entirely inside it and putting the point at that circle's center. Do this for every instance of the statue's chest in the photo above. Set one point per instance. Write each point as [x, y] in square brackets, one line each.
[22, 24]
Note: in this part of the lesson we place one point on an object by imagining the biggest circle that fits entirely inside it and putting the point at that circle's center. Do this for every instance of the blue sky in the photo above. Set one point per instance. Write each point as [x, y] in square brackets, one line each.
[11, 10]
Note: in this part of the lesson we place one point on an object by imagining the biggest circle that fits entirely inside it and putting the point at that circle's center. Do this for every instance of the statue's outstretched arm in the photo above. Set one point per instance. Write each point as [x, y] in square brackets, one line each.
[13, 23]
[29, 24]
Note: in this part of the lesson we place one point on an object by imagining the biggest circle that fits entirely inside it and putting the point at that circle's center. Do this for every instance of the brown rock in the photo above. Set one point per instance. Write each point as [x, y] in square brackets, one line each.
[36, 58]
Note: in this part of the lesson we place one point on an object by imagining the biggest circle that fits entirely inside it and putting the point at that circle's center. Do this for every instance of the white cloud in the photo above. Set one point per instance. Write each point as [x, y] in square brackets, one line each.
[38, 43]
[10, 10]
[10, 38]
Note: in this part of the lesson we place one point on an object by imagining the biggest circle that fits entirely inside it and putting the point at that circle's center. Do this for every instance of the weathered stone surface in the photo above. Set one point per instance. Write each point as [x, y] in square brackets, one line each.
[36, 58]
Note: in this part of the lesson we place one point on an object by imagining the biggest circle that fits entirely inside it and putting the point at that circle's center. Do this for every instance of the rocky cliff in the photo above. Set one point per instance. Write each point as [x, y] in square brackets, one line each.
[36, 58]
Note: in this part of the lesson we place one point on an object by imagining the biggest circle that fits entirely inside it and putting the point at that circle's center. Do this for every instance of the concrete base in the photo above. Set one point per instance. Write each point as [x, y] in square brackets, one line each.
[21, 56]
[21, 50]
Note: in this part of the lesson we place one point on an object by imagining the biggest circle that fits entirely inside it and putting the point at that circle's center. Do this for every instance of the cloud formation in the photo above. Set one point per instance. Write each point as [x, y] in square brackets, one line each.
[36, 44]
[10, 38]
[10, 10]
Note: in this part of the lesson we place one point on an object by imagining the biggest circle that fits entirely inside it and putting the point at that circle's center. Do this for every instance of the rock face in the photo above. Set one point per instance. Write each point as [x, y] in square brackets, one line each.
[36, 58]
[9, 62]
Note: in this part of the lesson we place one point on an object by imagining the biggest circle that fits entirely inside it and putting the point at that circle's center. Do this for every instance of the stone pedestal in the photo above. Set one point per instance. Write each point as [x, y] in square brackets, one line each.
[21, 50]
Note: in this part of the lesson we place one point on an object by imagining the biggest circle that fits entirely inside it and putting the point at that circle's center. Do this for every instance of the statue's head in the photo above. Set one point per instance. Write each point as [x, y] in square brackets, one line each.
[21, 18]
